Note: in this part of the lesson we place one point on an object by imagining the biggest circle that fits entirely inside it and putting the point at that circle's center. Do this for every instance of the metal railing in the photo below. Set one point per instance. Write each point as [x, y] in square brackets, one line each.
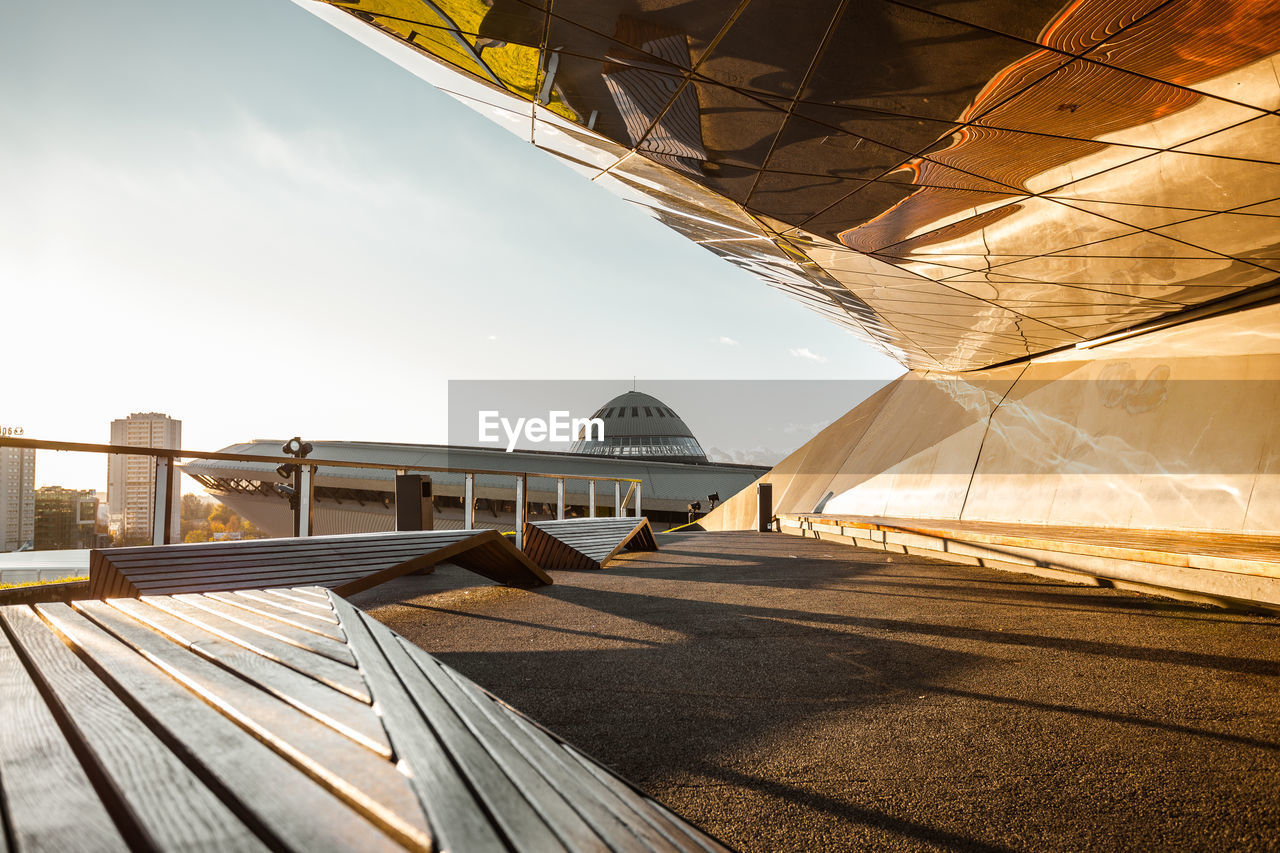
[165, 489]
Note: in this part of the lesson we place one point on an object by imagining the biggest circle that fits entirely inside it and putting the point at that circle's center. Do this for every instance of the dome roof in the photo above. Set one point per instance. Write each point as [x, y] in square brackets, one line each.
[638, 425]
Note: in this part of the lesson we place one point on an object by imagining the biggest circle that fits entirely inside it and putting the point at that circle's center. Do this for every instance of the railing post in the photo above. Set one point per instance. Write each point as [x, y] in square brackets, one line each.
[560, 499]
[617, 499]
[164, 497]
[304, 521]
[468, 501]
[520, 512]
[591, 498]
[639, 489]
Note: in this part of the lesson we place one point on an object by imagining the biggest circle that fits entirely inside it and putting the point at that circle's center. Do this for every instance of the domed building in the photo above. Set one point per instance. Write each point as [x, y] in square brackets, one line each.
[644, 439]
[639, 426]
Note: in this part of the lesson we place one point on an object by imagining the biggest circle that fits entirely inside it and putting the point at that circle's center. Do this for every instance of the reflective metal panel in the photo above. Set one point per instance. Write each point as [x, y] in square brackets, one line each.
[960, 183]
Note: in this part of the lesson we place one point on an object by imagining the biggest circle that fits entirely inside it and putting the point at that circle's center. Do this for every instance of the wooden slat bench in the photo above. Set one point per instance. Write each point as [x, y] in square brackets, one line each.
[284, 719]
[346, 564]
[1221, 568]
[585, 543]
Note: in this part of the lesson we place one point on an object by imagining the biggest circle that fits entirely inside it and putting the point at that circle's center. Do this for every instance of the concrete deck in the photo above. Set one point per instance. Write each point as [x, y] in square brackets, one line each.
[794, 694]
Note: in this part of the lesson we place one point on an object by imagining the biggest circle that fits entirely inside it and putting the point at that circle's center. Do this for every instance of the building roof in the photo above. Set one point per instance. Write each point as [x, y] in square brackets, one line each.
[641, 426]
[637, 413]
[667, 485]
[961, 185]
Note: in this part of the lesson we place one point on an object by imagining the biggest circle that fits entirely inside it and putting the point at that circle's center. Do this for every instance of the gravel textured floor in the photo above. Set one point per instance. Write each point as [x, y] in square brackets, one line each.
[788, 694]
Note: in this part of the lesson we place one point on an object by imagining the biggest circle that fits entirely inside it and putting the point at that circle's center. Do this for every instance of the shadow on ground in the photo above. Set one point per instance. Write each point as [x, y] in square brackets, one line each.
[802, 695]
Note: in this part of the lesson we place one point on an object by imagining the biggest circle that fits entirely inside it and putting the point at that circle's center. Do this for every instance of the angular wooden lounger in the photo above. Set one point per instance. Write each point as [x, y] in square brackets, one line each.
[585, 543]
[346, 564]
[247, 721]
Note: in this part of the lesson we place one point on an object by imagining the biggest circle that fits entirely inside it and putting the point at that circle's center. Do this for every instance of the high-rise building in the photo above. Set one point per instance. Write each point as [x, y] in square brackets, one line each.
[17, 498]
[131, 479]
[65, 518]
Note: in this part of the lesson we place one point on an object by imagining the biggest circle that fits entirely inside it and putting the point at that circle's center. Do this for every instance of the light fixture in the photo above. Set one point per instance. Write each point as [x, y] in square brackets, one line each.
[297, 447]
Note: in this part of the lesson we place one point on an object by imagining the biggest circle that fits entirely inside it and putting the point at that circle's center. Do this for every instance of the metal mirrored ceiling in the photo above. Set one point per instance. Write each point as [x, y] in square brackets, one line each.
[960, 183]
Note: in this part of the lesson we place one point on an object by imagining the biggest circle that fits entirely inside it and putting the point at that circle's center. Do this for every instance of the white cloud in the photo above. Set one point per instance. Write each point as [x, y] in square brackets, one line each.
[806, 430]
[745, 456]
[805, 352]
[727, 341]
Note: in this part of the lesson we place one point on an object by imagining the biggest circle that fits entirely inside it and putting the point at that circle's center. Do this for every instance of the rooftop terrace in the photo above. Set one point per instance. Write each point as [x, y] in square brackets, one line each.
[787, 693]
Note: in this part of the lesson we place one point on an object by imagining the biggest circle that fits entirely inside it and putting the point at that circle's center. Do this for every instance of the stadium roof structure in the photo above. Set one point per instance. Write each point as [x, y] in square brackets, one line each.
[642, 426]
[962, 184]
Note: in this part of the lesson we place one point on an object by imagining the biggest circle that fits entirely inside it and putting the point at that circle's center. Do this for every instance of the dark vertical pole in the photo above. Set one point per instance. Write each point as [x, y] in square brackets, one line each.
[296, 503]
[414, 510]
[764, 507]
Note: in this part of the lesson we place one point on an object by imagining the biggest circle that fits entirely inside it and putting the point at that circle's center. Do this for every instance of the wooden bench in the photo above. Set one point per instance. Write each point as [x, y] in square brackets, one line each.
[280, 719]
[1220, 568]
[346, 564]
[585, 543]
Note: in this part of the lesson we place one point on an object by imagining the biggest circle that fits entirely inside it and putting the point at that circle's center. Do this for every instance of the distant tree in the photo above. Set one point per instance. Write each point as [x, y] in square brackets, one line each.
[194, 514]
[220, 513]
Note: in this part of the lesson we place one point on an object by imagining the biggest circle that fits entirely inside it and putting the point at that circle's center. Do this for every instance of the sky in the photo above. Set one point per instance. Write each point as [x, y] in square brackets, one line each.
[235, 214]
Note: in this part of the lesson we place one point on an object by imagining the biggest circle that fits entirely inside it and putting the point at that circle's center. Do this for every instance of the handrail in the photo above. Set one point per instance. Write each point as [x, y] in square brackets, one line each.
[127, 450]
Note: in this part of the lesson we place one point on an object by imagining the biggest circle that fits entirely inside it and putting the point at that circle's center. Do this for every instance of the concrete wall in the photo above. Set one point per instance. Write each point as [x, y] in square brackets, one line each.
[1174, 429]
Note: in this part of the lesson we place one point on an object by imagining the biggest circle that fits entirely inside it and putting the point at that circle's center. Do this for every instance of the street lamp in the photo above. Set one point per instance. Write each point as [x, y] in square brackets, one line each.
[298, 494]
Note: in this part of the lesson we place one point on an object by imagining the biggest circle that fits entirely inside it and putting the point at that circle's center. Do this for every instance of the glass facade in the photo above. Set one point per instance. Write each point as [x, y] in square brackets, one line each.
[679, 447]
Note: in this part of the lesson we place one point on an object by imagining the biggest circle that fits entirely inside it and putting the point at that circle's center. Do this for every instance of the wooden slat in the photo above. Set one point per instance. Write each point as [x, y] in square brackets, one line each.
[169, 806]
[318, 643]
[637, 810]
[44, 791]
[340, 676]
[305, 603]
[347, 563]
[519, 822]
[315, 545]
[245, 714]
[345, 715]
[183, 583]
[284, 807]
[290, 617]
[456, 820]
[266, 597]
[369, 783]
[585, 543]
[283, 558]
[683, 837]
[480, 731]
[611, 818]
[501, 561]
[488, 554]
[609, 802]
